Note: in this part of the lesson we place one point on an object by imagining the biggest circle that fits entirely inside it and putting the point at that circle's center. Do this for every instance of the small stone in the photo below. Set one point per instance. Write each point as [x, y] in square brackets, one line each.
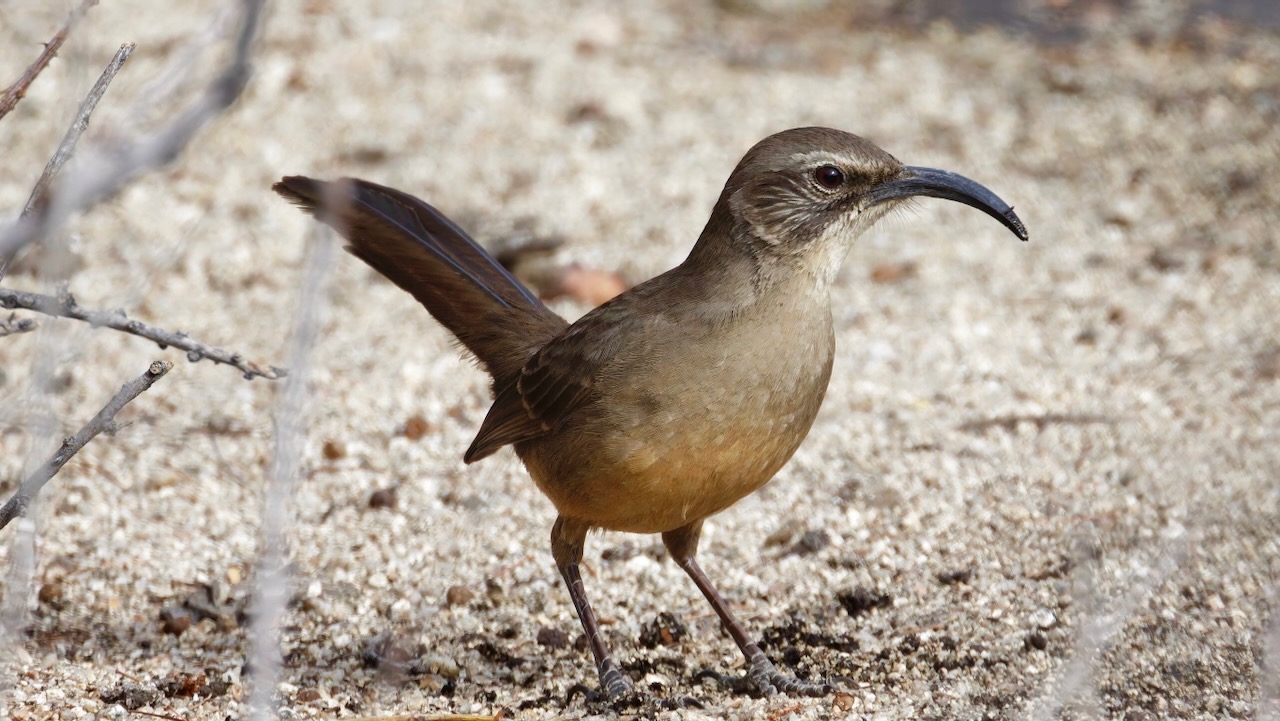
[893, 272]
[1164, 259]
[307, 695]
[494, 590]
[1087, 336]
[401, 610]
[334, 450]
[589, 286]
[387, 651]
[842, 701]
[953, 577]
[1037, 640]
[1043, 618]
[861, 599]
[811, 542]
[185, 685]
[50, 593]
[780, 537]
[175, 620]
[458, 596]
[131, 695]
[438, 666]
[664, 630]
[416, 427]
[552, 638]
[383, 498]
[624, 551]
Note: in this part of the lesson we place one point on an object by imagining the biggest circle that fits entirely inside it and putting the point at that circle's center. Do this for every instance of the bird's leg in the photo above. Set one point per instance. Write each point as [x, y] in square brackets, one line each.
[567, 538]
[682, 544]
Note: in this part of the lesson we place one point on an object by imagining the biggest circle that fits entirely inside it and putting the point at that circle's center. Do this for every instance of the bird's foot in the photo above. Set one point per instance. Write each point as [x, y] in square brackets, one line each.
[765, 679]
[615, 688]
[613, 682]
[618, 693]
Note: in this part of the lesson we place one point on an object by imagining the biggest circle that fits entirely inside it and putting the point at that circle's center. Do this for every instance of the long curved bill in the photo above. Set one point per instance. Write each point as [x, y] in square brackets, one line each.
[931, 182]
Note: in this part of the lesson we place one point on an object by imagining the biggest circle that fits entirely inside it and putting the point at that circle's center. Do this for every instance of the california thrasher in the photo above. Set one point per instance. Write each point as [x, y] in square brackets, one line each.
[681, 396]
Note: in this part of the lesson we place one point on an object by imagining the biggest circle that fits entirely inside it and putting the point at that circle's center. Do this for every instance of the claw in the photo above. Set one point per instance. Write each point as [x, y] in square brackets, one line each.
[615, 689]
[680, 702]
[768, 680]
[764, 679]
[581, 688]
[714, 675]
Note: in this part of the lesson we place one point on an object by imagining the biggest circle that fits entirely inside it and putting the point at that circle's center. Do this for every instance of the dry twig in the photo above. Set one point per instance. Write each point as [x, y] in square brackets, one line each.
[9, 100]
[106, 173]
[65, 306]
[103, 422]
[272, 593]
[67, 148]
[14, 325]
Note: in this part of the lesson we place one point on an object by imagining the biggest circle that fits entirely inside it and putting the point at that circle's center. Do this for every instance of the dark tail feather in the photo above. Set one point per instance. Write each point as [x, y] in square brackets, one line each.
[416, 247]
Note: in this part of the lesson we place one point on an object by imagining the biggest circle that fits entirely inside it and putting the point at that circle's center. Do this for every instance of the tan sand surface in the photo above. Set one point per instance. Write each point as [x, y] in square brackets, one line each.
[1046, 474]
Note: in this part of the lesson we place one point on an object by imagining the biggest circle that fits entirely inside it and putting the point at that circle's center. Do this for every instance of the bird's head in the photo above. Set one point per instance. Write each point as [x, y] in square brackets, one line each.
[810, 191]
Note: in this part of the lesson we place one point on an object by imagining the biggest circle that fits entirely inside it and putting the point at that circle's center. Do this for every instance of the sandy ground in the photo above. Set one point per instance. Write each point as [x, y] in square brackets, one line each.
[1113, 553]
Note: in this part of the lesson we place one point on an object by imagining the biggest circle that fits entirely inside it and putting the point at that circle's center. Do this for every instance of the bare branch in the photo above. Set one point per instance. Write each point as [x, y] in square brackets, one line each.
[9, 100]
[1098, 626]
[65, 306]
[81, 123]
[1268, 708]
[14, 325]
[40, 193]
[106, 173]
[103, 422]
[272, 592]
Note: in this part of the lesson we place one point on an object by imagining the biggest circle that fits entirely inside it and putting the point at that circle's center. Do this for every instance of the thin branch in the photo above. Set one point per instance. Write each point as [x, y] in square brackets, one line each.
[65, 306]
[9, 100]
[103, 422]
[106, 173]
[272, 593]
[81, 123]
[67, 148]
[1268, 708]
[1099, 625]
[14, 325]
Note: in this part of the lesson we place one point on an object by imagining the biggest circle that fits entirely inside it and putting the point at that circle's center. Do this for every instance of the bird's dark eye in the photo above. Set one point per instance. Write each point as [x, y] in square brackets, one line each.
[829, 177]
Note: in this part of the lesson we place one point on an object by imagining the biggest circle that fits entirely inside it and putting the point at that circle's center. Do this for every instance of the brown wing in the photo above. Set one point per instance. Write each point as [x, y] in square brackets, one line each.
[559, 379]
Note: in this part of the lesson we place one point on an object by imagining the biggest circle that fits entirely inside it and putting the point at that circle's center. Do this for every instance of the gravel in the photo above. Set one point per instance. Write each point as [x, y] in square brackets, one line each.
[1045, 476]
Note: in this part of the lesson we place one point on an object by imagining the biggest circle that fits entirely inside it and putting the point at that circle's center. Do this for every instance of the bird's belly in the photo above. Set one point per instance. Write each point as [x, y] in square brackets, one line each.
[648, 463]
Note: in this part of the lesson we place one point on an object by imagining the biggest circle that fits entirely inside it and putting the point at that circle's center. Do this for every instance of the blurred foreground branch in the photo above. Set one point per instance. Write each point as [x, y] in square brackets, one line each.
[12, 94]
[103, 422]
[40, 193]
[67, 147]
[14, 325]
[105, 173]
[65, 306]
[272, 594]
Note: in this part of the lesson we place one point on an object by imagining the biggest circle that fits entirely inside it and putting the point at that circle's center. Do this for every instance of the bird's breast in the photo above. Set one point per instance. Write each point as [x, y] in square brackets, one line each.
[704, 416]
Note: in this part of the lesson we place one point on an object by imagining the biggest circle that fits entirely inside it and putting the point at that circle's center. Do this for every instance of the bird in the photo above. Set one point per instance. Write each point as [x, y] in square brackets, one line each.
[684, 394]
